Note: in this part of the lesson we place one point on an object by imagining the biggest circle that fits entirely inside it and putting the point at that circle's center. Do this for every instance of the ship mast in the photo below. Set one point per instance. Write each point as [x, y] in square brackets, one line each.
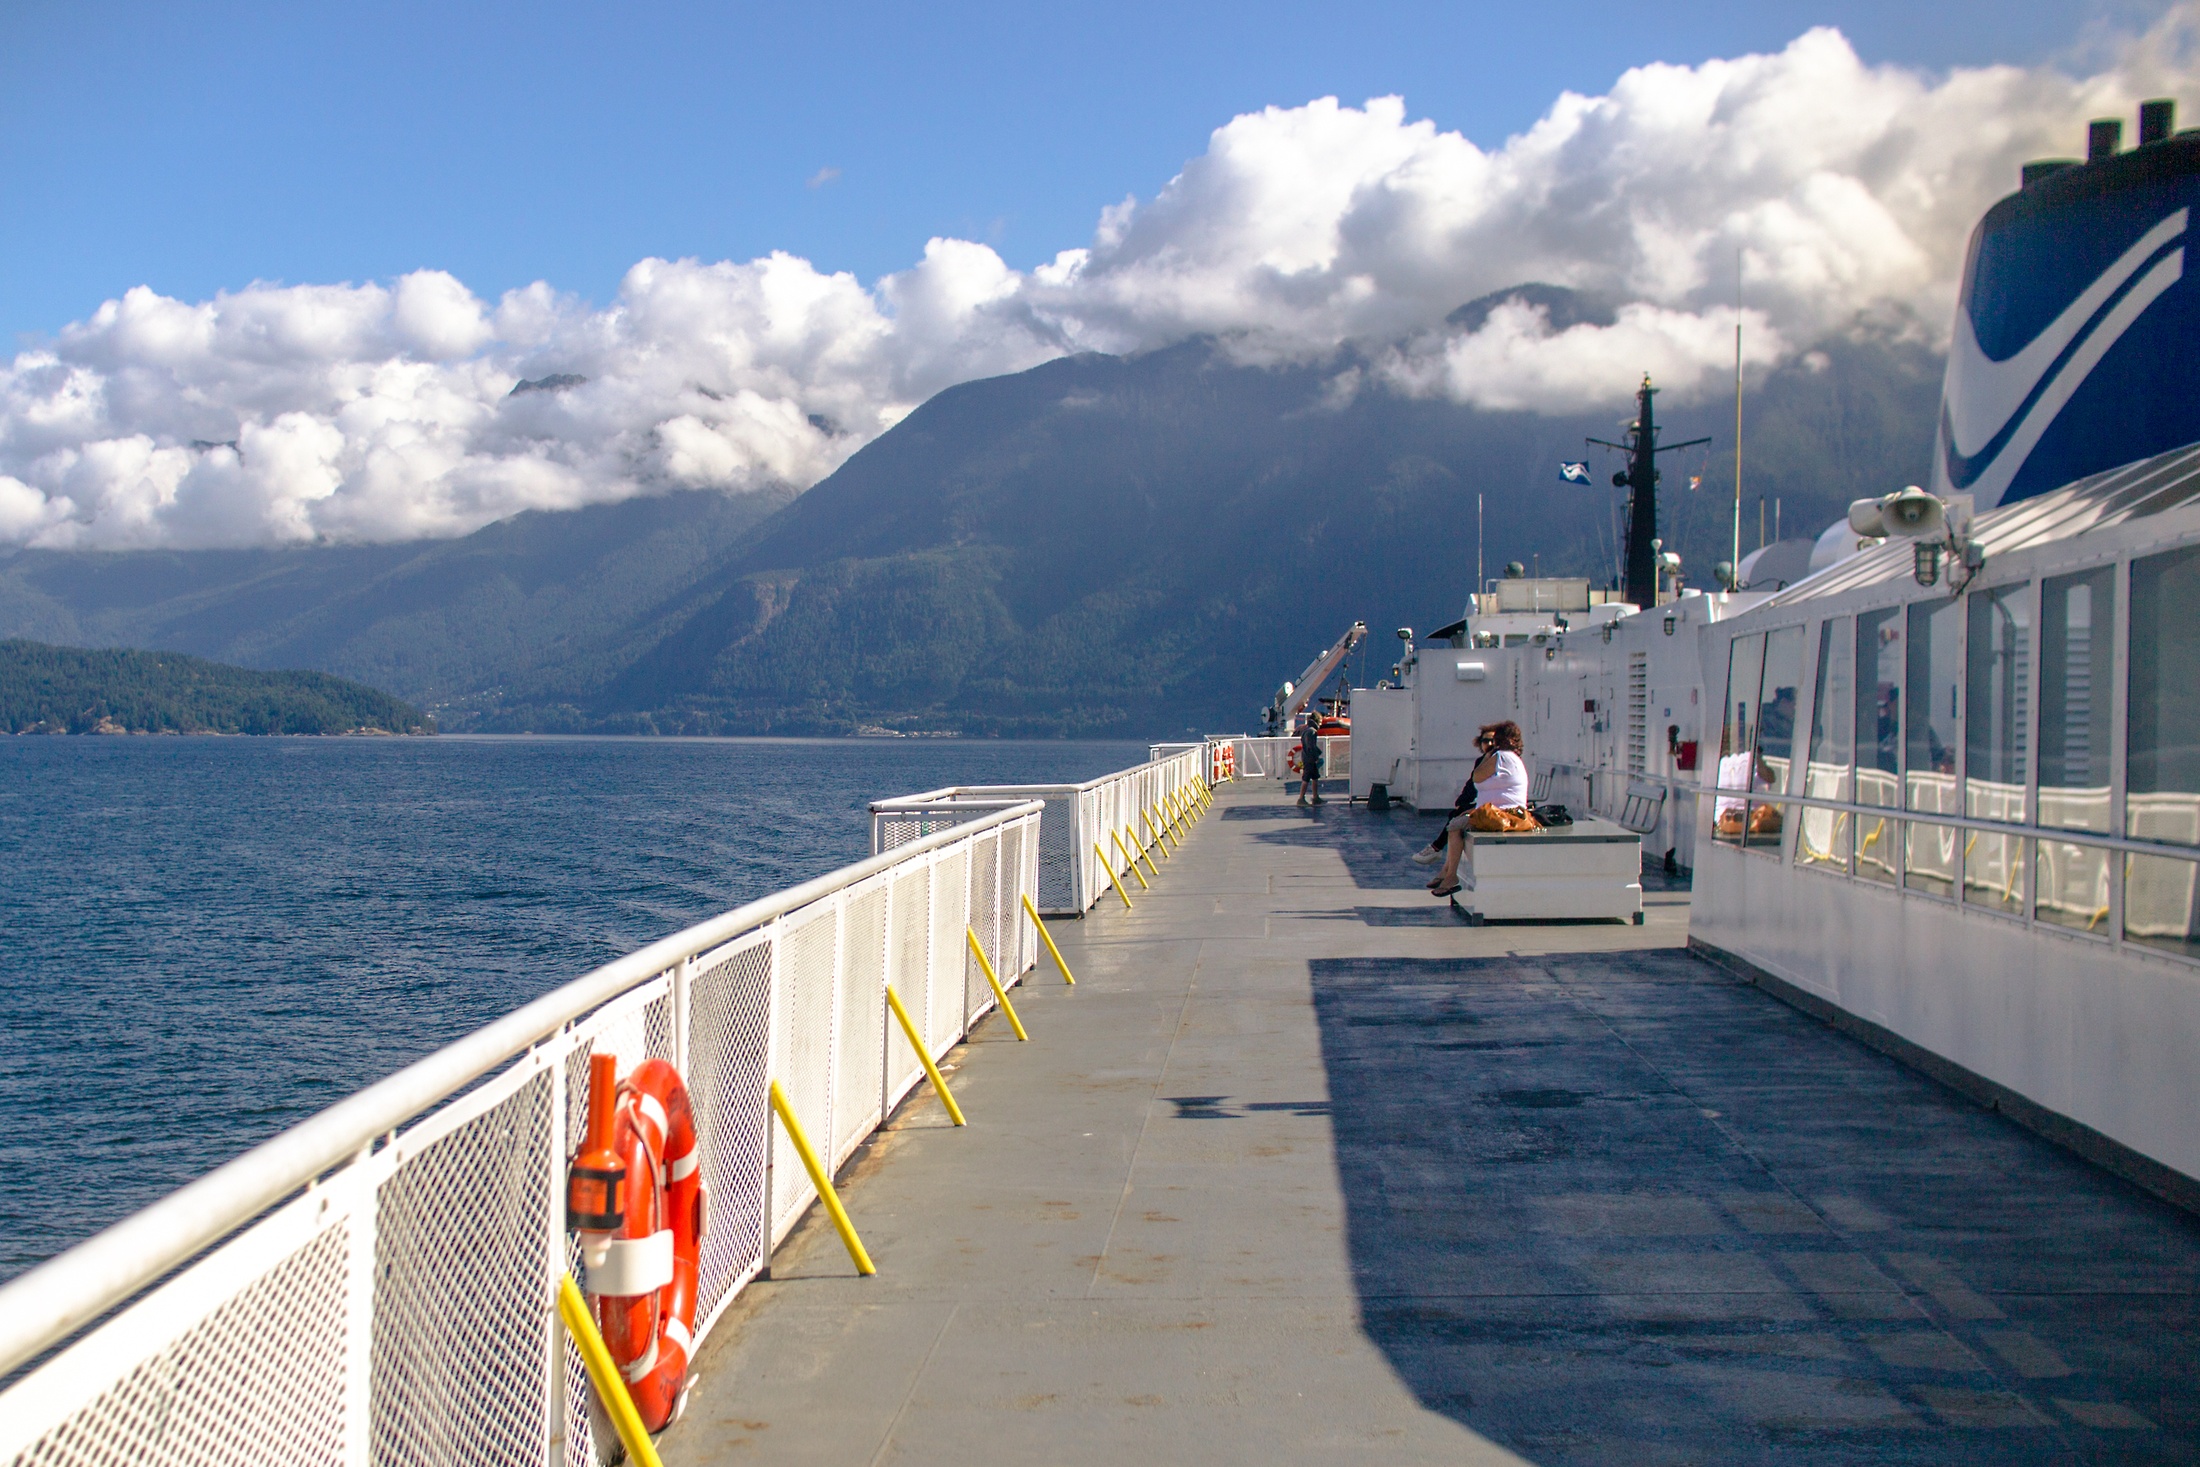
[1640, 479]
[1734, 575]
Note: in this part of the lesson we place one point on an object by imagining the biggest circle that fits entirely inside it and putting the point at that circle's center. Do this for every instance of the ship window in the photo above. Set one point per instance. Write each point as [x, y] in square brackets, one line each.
[1879, 709]
[2000, 676]
[1738, 736]
[1824, 839]
[2073, 885]
[2077, 635]
[2159, 901]
[1929, 858]
[1934, 727]
[2162, 794]
[1776, 705]
[1998, 713]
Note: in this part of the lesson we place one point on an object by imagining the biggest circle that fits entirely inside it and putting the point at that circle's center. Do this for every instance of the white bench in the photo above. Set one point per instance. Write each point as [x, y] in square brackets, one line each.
[1644, 808]
[1588, 870]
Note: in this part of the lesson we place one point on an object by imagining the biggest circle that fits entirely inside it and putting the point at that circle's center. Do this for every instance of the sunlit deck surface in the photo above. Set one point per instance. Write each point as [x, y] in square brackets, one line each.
[1305, 1170]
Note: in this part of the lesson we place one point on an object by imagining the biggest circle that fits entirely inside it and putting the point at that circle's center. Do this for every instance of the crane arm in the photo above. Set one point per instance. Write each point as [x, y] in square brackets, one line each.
[1317, 672]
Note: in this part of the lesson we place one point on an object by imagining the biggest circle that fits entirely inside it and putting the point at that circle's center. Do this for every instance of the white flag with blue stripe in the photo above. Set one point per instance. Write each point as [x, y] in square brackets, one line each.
[1577, 473]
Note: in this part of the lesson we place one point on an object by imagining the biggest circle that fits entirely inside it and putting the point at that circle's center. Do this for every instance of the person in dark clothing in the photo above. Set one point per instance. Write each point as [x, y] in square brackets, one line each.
[1433, 852]
[1310, 759]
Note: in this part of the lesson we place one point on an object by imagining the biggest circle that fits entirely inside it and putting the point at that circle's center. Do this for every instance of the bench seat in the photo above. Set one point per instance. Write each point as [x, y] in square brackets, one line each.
[1590, 869]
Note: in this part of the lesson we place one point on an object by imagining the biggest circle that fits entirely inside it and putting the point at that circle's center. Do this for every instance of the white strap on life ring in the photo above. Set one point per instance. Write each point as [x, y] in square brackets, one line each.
[641, 1368]
[623, 1268]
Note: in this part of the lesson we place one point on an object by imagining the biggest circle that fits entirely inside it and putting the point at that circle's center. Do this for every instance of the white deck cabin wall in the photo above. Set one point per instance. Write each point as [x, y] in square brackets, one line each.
[2082, 1013]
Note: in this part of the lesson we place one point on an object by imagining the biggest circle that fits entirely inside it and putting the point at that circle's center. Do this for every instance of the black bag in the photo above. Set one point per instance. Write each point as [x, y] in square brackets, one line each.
[1551, 814]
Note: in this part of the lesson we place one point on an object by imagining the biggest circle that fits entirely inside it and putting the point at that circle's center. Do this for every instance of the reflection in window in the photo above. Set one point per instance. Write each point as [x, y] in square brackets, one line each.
[2162, 776]
[1879, 668]
[2072, 885]
[1738, 737]
[2077, 635]
[1998, 714]
[1824, 839]
[1776, 705]
[1932, 675]
[1879, 707]
[2158, 898]
[1929, 858]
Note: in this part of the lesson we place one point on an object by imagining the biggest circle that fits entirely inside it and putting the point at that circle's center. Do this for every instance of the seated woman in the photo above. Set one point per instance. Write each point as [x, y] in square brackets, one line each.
[1500, 780]
[1744, 771]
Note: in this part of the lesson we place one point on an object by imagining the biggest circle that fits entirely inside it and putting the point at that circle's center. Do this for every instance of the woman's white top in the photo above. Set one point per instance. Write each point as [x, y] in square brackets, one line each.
[1738, 772]
[1507, 786]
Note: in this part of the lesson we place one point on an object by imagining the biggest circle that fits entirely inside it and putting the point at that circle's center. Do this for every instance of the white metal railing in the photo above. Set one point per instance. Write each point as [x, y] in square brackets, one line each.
[380, 1285]
[1088, 829]
[1264, 757]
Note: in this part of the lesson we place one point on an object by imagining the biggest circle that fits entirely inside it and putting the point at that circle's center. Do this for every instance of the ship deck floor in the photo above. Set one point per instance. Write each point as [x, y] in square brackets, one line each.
[1305, 1170]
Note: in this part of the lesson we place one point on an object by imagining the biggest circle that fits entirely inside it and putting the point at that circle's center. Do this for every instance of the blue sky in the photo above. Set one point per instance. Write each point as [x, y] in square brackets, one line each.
[198, 147]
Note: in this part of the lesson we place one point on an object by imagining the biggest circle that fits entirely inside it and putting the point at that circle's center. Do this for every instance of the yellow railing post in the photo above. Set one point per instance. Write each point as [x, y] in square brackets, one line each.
[603, 1372]
[1048, 938]
[1153, 832]
[1143, 883]
[1171, 812]
[1131, 838]
[822, 1180]
[932, 1071]
[1113, 880]
[998, 992]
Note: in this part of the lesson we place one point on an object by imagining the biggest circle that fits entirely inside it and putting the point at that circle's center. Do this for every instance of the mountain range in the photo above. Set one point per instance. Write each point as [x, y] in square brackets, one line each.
[1102, 545]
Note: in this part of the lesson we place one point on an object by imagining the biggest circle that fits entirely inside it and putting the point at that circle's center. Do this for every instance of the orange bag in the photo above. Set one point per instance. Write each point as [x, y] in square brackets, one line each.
[1498, 821]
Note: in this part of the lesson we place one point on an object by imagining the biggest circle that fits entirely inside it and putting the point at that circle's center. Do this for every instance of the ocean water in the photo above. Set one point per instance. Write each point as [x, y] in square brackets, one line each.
[204, 940]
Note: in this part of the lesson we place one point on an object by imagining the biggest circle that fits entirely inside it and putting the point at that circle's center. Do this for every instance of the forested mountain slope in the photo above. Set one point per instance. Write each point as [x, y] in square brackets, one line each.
[1105, 545]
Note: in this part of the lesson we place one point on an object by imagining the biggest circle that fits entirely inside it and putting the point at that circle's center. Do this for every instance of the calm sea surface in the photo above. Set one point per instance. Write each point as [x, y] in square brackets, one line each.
[203, 941]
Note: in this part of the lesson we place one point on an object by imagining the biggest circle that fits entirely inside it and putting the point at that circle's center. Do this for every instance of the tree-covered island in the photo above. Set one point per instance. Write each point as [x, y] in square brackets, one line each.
[79, 690]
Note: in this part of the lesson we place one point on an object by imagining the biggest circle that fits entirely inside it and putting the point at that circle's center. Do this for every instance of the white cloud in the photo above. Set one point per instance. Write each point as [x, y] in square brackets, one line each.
[364, 412]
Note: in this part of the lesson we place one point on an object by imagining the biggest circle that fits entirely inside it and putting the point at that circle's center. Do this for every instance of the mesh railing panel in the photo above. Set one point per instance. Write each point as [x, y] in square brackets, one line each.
[415, 1322]
[985, 881]
[1058, 856]
[802, 1050]
[259, 1379]
[729, 1047]
[950, 916]
[461, 1333]
[860, 1052]
[908, 964]
[1011, 927]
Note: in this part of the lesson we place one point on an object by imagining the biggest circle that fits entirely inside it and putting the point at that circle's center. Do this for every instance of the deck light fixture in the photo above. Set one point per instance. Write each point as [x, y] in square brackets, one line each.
[1937, 527]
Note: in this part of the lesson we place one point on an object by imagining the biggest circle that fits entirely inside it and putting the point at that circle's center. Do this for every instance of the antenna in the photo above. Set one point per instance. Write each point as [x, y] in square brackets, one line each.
[1480, 585]
[1736, 562]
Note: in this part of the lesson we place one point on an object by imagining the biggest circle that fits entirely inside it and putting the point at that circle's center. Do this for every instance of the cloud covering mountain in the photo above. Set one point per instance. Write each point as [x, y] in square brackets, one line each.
[282, 414]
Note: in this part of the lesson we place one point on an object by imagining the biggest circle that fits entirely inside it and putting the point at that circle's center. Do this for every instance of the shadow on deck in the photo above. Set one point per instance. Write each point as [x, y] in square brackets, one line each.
[1620, 1207]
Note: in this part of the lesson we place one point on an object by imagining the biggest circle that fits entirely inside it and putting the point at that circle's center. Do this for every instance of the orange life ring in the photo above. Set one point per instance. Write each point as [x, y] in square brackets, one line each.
[643, 1251]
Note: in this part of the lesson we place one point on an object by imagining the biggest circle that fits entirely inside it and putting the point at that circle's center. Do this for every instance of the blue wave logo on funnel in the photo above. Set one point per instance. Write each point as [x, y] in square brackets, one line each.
[2076, 345]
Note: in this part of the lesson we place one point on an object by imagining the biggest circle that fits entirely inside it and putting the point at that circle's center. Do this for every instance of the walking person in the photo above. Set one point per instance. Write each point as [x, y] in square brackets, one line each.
[1310, 759]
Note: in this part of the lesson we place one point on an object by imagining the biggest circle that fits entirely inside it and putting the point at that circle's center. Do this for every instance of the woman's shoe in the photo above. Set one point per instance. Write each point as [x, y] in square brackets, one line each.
[1427, 856]
[1445, 891]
